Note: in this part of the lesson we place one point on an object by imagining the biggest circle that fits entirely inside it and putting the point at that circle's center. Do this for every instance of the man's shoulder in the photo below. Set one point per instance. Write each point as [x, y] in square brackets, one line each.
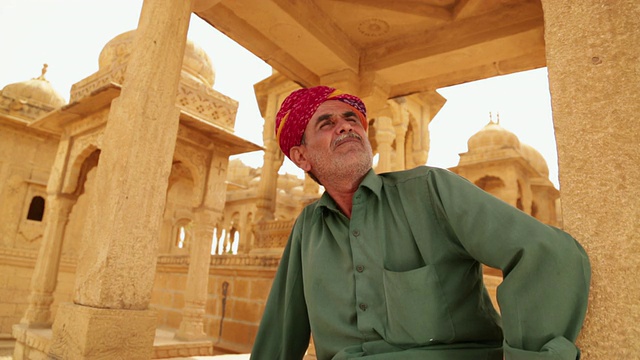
[309, 209]
[410, 174]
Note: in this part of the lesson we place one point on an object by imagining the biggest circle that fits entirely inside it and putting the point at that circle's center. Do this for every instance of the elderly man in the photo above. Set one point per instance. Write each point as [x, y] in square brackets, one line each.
[388, 266]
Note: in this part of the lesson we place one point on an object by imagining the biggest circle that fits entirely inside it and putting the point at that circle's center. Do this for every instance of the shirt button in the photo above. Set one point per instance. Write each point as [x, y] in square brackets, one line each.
[363, 307]
[356, 233]
[359, 268]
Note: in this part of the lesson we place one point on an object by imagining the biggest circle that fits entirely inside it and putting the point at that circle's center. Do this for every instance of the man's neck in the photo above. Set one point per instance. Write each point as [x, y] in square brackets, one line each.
[342, 191]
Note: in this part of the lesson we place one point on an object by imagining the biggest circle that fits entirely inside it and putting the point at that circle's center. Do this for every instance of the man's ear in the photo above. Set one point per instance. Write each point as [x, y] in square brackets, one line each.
[297, 154]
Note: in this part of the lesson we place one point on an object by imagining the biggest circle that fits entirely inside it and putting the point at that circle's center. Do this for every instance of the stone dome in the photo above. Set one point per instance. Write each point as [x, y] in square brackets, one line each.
[37, 91]
[196, 63]
[535, 159]
[493, 136]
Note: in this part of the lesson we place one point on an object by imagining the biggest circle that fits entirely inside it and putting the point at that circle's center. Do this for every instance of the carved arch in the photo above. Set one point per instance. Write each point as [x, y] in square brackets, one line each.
[490, 184]
[80, 162]
[196, 163]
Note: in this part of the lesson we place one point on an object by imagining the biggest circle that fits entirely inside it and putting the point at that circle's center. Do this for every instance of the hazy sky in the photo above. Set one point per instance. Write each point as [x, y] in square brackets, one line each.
[68, 35]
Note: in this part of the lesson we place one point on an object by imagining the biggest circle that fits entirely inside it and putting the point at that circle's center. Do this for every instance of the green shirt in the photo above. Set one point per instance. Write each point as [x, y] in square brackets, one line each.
[402, 278]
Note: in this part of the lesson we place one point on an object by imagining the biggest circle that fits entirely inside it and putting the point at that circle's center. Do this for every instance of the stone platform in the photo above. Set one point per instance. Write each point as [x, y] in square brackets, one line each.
[165, 346]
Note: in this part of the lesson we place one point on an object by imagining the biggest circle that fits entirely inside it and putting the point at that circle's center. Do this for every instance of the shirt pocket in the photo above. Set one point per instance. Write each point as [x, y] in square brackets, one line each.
[417, 313]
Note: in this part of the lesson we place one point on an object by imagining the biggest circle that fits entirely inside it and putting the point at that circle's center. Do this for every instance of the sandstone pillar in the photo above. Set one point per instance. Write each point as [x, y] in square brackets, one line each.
[385, 135]
[45, 274]
[267, 188]
[273, 158]
[192, 326]
[245, 232]
[401, 137]
[592, 58]
[116, 267]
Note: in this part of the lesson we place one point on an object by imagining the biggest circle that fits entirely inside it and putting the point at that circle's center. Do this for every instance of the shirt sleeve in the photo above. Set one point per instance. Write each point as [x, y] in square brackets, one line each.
[544, 293]
[284, 330]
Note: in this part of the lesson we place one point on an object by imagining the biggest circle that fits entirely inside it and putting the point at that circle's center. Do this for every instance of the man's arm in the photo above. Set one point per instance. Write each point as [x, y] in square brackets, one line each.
[284, 330]
[543, 296]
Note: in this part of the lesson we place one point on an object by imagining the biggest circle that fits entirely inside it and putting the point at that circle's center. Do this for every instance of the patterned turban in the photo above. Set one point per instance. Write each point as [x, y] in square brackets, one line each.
[300, 105]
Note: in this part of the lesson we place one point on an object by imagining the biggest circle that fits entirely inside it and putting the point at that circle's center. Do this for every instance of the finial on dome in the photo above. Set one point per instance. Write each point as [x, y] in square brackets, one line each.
[490, 118]
[44, 71]
[498, 118]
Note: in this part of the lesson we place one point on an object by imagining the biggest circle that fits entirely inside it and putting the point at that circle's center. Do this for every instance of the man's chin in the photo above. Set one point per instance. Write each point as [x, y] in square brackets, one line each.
[356, 162]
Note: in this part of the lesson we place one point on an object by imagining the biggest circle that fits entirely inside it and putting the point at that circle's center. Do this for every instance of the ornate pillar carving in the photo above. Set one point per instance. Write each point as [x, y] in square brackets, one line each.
[400, 124]
[385, 135]
[192, 326]
[401, 132]
[45, 274]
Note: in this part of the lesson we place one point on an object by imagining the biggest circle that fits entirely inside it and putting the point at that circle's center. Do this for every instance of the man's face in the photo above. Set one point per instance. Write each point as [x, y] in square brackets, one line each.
[335, 144]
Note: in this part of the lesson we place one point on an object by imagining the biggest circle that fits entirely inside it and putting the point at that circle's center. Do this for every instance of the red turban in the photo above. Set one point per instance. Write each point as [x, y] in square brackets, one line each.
[300, 105]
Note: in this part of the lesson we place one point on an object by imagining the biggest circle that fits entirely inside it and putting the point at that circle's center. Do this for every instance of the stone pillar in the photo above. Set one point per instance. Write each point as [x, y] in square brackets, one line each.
[206, 216]
[116, 267]
[592, 58]
[400, 125]
[246, 223]
[192, 326]
[267, 188]
[45, 274]
[401, 133]
[44, 278]
[273, 158]
[385, 134]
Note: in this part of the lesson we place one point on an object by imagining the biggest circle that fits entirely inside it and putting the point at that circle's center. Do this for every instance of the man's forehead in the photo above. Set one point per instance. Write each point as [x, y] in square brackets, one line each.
[331, 106]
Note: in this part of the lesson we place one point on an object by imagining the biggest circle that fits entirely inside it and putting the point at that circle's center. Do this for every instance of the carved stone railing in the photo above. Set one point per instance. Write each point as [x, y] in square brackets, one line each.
[271, 236]
[180, 263]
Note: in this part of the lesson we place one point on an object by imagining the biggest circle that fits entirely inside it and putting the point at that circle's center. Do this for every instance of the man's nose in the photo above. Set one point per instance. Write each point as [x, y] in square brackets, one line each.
[344, 125]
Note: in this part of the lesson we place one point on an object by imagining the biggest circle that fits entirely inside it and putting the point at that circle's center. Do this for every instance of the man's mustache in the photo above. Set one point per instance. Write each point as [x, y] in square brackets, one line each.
[341, 138]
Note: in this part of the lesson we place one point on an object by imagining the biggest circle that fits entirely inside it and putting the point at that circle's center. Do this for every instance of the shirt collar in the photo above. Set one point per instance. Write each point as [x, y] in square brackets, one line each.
[372, 181]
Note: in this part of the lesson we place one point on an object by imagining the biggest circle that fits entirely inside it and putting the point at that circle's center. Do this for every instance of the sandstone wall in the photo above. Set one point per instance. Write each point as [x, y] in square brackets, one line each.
[246, 293]
[15, 278]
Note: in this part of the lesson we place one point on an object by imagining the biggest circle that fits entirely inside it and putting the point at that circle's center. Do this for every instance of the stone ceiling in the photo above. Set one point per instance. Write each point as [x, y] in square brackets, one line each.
[404, 46]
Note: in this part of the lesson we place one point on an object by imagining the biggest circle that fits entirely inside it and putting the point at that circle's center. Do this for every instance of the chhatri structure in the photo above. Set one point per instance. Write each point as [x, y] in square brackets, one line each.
[146, 168]
[187, 320]
[499, 163]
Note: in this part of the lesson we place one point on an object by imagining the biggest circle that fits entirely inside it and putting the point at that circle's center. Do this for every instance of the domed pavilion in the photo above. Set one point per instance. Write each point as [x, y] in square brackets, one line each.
[499, 163]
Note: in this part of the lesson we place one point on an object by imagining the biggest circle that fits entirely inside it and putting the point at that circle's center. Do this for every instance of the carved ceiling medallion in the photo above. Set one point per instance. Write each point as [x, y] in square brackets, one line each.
[373, 27]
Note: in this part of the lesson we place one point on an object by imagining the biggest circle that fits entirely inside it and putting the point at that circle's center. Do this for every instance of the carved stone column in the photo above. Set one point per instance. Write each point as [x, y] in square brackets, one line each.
[192, 327]
[273, 158]
[385, 134]
[244, 241]
[401, 132]
[267, 188]
[116, 269]
[45, 274]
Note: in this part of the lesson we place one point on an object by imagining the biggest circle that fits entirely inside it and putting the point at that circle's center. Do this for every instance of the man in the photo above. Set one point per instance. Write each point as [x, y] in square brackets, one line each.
[388, 266]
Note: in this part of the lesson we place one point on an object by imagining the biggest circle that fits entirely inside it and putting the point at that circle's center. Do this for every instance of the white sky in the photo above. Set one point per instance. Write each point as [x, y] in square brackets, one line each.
[68, 35]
